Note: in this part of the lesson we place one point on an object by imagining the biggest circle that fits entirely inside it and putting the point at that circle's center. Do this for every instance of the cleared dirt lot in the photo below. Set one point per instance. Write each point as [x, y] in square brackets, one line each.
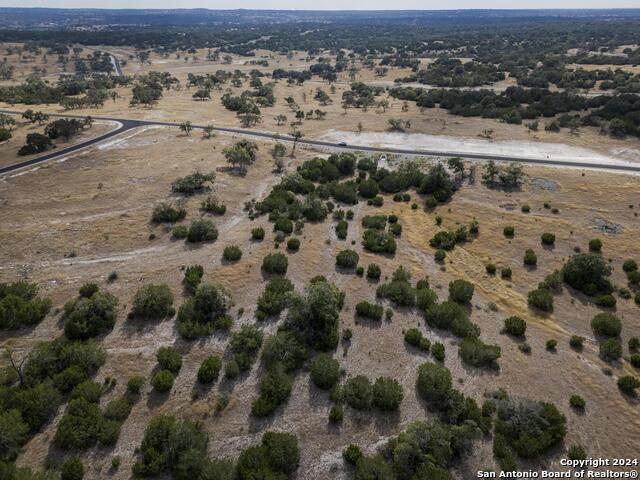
[77, 221]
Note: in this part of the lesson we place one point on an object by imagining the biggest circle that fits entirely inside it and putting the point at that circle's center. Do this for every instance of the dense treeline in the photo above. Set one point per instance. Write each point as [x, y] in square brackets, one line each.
[508, 37]
[618, 114]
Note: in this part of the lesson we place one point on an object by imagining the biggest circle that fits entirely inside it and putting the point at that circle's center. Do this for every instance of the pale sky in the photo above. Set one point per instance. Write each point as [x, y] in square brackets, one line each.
[327, 4]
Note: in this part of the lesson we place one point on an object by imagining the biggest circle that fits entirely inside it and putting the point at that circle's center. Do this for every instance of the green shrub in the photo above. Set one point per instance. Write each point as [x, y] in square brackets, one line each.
[13, 433]
[163, 381]
[376, 241]
[451, 316]
[387, 394]
[434, 383]
[525, 208]
[20, 306]
[315, 314]
[369, 310]
[611, 349]
[474, 351]
[135, 384]
[634, 359]
[425, 298]
[588, 273]
[460, 291]
[376, 222]
[293, 244]
[577, 402]
[169, 359]
[395, 229]
[178, 447]
[634, 344]
[490, 268]
[541, 298]
[88, 390]
[443, 240]
[628, 384]
[576, 341]
[376, 201]
[152, 302]
[4, 134]
[509, 231]
[232, 253]
[284, 225]
[88, 289]
[245, 344]
[232, 369]
[576, 452]
[117, 410]
[439, 255]
[633, 277]
[325, 371]
[352, 454]
[595, 245]
[165, 212]
[284, 349]
[192, 184]
[336, 414]
[180, 232]
[368, 188]
[553, 281]
[438, 351]
[374, 271]
[347, 259]
[272, 300]
[275, 388]
[606, 324]
[275, 263]
[515, 326]
[607, 300]
[341, 229]
[414, 337]
[202, 231]
[83, 425]
[506, 273]
[257, 233]
[72, 469]
[544, 427]
[530, 258]
[90, 316]
[399, 290]
[211, 205]
[192, 277]
[358, 392]
[204, 312]
[630, 265]
[209, 370]
[548, 238]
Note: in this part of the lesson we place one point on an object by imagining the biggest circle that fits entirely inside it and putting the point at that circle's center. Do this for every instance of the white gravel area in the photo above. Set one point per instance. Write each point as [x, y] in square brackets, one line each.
[461, 145]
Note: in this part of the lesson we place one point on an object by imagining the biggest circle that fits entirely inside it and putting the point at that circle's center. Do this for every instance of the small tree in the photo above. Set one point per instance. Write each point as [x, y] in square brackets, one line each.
[186, 127]
[297, 135]
[207, 131]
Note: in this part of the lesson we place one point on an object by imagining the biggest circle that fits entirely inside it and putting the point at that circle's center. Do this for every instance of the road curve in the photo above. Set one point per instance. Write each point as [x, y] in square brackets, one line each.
[128, 124]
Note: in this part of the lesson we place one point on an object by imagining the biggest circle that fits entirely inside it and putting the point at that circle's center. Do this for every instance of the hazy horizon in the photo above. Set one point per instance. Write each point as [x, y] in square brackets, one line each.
[328, 5]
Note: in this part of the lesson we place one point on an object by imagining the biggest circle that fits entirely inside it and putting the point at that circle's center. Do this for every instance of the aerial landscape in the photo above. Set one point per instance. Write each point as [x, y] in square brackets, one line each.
[264, 244]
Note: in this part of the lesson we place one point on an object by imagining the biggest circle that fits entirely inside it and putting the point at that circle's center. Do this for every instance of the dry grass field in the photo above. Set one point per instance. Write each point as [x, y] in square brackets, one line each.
[63, 224]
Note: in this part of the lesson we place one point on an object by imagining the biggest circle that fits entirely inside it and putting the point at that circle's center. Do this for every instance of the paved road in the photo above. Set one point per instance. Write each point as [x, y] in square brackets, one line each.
[116, 64]
[128, 124]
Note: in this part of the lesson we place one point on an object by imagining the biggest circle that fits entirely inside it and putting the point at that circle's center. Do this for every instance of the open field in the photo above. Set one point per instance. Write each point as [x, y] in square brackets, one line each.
[100, 212]
[467, 250]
